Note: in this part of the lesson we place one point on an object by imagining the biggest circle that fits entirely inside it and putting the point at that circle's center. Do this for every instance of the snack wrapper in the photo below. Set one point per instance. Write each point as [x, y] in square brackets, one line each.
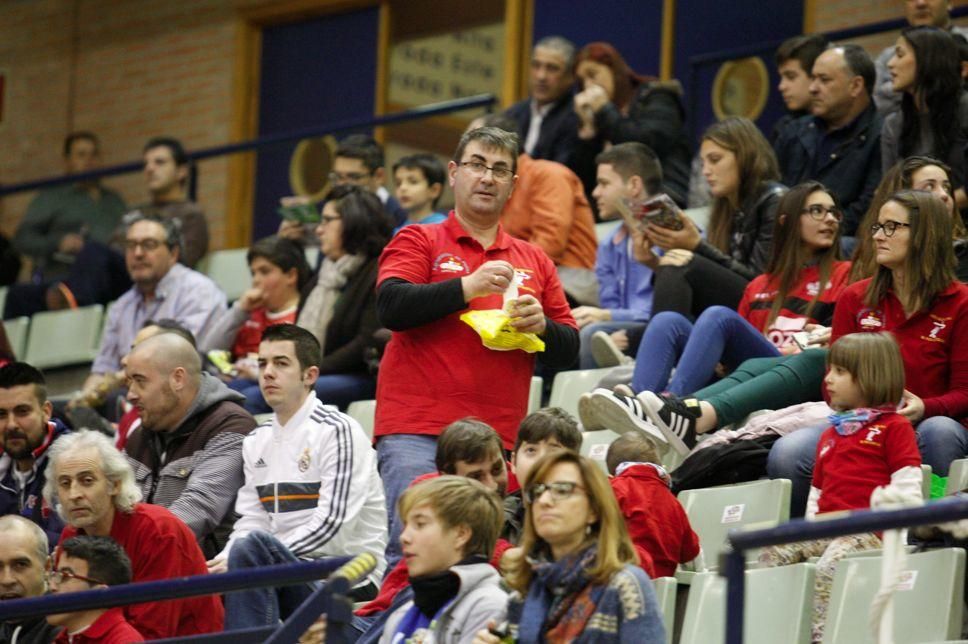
[494, 326]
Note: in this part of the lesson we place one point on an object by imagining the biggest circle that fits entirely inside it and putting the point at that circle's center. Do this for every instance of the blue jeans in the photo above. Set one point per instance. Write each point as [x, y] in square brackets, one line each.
[401, 458]
[585, 358]
[262, 606]
[792, 457]
[720, 334]
[338, 389]
[942, 440]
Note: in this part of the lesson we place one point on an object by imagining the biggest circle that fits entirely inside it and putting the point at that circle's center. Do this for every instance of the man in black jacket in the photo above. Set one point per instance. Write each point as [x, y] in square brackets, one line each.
[839, 143]
[546, 120]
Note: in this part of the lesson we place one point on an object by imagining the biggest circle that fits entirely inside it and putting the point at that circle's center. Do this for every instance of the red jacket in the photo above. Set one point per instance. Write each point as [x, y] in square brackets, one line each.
[934, 343]
[160, 546]
[655, 519]
[109, 628]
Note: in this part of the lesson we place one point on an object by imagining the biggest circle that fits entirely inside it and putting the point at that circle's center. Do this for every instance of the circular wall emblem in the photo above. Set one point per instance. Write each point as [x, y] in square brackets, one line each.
[741, 88]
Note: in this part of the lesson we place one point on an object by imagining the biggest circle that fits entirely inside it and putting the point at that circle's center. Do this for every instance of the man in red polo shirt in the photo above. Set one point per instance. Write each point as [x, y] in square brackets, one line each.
[435, 369]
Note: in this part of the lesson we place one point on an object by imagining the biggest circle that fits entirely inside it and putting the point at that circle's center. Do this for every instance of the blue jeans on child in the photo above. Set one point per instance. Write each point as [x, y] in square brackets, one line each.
[720, 334]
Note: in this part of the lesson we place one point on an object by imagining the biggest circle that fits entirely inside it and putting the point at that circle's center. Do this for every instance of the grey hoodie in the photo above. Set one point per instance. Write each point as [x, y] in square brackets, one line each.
[479, 600]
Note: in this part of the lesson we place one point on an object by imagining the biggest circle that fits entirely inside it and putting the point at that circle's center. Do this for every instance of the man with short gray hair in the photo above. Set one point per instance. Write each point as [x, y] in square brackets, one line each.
[435, 369]
[23, 560]
[546, 120]
[162, 288]
[92, 486]
[187, 453]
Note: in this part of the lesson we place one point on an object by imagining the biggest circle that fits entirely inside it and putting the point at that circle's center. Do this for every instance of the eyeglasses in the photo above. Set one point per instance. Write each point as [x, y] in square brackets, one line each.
[147, 245]
[348, 177]
[560, 490]
[889, 227]
[58, 577]
[818, 212]
[478, 169]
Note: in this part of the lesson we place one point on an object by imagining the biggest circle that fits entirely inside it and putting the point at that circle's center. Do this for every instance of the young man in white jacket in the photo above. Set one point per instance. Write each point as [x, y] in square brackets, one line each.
[311, 485]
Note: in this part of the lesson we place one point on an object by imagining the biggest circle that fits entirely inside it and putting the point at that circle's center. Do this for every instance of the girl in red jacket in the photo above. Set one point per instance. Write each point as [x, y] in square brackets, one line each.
[868, 445]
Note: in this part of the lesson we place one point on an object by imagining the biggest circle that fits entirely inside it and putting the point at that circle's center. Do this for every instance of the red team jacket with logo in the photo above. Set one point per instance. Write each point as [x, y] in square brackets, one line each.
[759, 294]
[848, 468]
[934, 343]
[437, 373]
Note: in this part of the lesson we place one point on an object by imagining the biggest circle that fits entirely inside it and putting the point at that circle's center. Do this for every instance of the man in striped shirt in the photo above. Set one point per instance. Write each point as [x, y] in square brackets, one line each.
[311, 485]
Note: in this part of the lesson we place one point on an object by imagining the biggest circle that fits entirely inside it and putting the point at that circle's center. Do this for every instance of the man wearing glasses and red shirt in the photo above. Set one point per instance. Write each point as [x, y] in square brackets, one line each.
[85, 563]
[435, 369]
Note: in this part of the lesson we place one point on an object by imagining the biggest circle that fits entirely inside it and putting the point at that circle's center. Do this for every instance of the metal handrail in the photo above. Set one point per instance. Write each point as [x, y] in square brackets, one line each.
[153, 591]
[425, 111]
[804, 530]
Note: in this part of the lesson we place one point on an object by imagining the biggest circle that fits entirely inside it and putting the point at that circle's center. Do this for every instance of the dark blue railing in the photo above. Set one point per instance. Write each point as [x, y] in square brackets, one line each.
[942, 511]
[341, 573]
[335, 127]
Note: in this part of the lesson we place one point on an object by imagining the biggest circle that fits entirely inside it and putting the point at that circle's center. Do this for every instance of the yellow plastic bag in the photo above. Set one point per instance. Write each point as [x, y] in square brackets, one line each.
[494, 327]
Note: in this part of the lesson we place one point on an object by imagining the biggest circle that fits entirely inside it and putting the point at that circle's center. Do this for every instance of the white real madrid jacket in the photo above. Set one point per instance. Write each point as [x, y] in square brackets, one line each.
[313, 485]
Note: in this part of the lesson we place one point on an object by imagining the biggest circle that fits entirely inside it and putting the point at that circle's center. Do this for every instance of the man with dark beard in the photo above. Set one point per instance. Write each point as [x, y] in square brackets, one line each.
[187, 453]
[26, 431]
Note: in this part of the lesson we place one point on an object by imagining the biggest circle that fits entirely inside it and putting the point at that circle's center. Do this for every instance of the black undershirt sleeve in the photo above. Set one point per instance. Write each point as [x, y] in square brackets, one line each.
[561, 345]
[402, 305]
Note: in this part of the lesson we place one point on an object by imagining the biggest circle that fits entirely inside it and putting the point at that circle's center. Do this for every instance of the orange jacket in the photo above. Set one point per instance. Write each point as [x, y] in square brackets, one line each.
[548, 208]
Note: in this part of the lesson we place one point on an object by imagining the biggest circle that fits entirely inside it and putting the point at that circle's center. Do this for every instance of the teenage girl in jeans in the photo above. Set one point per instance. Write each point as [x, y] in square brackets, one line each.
[799, 288]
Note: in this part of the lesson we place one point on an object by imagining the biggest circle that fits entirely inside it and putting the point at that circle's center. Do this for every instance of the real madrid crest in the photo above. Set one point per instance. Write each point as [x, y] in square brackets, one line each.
[303, 462]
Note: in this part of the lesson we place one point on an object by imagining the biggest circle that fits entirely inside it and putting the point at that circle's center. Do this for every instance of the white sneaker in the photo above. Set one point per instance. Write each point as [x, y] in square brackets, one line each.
[624, 414]
[605, 352]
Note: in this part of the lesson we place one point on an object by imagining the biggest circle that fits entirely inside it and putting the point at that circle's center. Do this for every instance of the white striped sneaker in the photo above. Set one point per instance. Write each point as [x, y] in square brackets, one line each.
[624, 414]
[675, 417]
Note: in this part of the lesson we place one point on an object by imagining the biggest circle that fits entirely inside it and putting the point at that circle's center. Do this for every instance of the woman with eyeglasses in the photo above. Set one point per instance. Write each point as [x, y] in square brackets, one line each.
[933, 119]
[913, 173]
[575, 574]
[796, 293]
[915, 295]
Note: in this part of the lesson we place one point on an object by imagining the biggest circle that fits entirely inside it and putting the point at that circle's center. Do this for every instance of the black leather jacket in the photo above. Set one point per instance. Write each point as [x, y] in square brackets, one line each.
[751, 241]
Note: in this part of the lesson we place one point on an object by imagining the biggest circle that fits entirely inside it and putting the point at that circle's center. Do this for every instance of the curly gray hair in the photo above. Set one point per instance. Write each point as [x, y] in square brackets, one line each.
[113, 463]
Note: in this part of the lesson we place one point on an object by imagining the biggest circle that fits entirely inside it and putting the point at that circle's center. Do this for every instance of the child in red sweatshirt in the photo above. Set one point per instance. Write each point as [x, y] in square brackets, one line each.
[654, 517]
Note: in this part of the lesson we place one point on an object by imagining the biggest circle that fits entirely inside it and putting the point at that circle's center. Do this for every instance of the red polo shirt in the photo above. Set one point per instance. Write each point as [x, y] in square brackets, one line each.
[440, 372]
[109, 628]
[160, 546]
[848, 468]
[934, 343]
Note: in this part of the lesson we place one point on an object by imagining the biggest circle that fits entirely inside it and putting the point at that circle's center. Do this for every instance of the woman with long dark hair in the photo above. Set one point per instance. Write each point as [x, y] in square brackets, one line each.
[933, 119]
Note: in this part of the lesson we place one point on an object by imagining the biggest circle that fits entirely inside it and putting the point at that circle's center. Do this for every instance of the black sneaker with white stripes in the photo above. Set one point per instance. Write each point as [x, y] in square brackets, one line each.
[623, 414]
[675, 417]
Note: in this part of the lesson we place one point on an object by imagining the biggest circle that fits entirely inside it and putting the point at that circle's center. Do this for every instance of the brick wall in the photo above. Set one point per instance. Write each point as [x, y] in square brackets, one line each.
[829, 15]
[130, 69]
[126, 69]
